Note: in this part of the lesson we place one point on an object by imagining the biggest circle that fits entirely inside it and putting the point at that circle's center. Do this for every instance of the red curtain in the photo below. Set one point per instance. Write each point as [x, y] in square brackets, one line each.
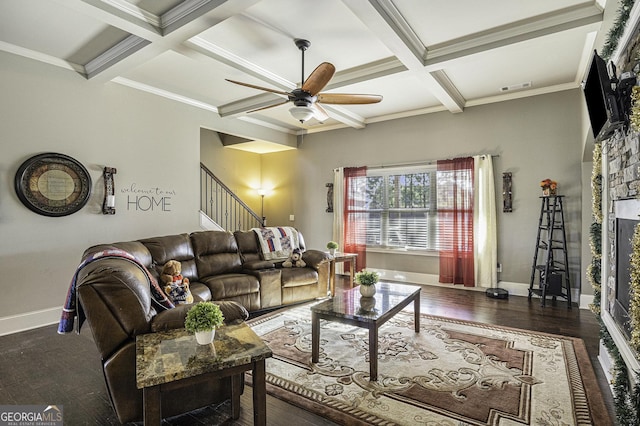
[455, 221]
[355, 215]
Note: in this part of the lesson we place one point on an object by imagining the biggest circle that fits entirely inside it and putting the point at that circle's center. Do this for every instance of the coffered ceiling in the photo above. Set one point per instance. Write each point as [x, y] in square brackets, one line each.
[422, 56]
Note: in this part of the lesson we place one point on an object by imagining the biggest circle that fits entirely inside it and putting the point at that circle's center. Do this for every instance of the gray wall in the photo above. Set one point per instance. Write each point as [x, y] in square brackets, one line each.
[153, 143]
[535, 138]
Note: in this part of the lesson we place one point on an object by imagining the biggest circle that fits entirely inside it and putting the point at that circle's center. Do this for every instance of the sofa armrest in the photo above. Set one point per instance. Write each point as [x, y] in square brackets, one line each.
[315, 258]
[256, 265]
[172, 319]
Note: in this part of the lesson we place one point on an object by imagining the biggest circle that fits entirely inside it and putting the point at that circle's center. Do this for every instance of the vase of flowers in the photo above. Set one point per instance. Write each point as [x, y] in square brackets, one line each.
[202, 320]
[549, 187]
[367, 281]
[332, 246]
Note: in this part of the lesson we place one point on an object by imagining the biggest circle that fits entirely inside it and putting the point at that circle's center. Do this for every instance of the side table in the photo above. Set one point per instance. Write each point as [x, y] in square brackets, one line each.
[172, 359]
[339, 257]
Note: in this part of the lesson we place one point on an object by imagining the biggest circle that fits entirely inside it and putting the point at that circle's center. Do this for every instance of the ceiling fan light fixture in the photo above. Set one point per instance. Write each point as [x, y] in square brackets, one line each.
[302, 113]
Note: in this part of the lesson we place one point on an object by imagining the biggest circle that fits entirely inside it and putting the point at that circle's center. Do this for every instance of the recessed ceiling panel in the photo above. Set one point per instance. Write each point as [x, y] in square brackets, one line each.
[195, 76]
[264, 36]
[437, 21]
[547, 61]
[400, 92]
[48, 28]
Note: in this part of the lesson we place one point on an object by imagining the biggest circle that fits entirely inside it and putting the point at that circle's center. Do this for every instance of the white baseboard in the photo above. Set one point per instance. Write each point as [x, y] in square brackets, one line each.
[30, 320]
[585, 301]
[514, 288]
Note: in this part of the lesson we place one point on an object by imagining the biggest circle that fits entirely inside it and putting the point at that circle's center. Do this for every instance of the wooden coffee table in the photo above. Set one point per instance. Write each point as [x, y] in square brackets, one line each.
[174, 358]
[346, 307]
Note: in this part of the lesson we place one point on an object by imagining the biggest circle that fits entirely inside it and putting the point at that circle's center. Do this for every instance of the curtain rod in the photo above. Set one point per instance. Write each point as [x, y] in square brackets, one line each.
[423, 163]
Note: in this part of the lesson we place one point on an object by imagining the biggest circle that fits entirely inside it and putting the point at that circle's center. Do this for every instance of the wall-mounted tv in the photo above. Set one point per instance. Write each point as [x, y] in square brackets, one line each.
[603, 101]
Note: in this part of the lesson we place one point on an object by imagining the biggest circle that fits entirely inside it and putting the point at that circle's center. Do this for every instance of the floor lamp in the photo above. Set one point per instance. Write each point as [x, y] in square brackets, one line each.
[262, 193]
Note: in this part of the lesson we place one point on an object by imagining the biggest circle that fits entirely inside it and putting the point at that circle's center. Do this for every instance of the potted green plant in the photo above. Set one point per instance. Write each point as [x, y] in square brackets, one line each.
[367, 281]
[202, 320]
[332, 246]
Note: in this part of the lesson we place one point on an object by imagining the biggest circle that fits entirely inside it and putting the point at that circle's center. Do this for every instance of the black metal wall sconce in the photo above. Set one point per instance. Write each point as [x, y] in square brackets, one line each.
[329, 198]
[507, 192]
[109, 203]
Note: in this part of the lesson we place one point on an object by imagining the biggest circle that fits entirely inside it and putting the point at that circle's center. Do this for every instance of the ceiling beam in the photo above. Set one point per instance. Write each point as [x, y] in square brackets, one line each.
[385, 20]
[115, 17]
[188, 19]
[576, 16]
[218, 54]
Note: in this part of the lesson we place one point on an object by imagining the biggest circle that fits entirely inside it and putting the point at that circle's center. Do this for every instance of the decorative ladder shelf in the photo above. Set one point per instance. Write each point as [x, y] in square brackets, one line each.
[550, 260]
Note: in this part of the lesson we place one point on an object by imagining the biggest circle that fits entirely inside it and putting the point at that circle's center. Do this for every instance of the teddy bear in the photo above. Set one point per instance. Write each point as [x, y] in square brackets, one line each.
[294, 260]
[174, 284]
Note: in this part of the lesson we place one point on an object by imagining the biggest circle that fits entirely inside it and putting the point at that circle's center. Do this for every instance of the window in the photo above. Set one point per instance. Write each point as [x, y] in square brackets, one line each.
[401, 208]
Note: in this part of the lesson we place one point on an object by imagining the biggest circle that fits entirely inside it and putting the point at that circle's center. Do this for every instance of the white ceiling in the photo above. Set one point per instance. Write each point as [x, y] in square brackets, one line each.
[421, 55]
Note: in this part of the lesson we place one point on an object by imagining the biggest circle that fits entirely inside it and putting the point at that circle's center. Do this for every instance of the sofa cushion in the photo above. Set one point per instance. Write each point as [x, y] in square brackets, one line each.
[172, 247]
[216, 253]
[294, 277]
[199, 291]
[248, 245]
[226, 286]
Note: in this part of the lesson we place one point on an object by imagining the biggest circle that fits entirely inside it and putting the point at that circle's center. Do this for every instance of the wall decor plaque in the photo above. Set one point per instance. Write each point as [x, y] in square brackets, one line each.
[53, 184]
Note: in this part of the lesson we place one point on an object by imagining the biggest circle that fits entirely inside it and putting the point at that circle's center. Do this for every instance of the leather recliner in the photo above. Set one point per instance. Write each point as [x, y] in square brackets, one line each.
[114, 294]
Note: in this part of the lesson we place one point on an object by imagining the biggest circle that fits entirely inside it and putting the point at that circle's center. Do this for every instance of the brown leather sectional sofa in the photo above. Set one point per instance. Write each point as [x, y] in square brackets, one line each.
[114, 295]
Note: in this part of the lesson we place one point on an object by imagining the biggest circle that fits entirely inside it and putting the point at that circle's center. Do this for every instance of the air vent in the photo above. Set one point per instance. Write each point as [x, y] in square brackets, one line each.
[513, 87]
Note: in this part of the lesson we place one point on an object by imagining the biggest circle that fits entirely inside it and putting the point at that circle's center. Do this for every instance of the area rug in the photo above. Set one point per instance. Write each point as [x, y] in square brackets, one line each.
[452, 373]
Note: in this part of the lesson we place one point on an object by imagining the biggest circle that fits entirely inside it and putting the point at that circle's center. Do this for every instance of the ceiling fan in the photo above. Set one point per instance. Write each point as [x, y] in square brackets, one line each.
[307, 99]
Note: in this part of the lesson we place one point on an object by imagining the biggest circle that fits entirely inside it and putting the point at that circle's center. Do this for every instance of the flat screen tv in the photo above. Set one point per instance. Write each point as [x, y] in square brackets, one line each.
[603, 103]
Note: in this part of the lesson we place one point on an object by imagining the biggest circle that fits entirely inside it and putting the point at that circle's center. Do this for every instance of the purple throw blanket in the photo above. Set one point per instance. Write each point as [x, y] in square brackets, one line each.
[71, 309]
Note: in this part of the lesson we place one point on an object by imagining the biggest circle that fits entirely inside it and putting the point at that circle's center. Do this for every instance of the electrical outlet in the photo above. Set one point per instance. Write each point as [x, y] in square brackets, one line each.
[499, 267]
[291, 218]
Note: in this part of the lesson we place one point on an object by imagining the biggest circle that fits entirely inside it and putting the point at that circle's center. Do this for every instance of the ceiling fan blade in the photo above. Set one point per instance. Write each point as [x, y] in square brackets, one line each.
[319, 78]
[266, 89]
[268, 106]
[319, 113]
[348, 98]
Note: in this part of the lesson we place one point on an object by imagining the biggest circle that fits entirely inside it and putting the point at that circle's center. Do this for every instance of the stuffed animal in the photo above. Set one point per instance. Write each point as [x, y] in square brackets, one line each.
[294, 260]
[175, 285]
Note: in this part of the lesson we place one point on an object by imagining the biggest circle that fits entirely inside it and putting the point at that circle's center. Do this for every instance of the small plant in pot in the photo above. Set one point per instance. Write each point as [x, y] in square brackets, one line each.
[332, 246]
[203, 319]
[367, 281]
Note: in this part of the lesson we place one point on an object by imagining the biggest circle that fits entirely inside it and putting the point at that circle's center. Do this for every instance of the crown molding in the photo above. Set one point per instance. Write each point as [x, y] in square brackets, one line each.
[115, 54]
[134, 11]
[41, 57]
[164, 93]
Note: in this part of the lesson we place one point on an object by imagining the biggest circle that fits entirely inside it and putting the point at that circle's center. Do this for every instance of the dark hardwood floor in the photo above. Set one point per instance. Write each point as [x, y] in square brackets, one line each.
[42, 367]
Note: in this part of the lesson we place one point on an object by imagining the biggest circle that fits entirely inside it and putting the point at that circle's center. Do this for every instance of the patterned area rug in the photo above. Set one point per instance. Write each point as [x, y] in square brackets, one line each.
[452, 373]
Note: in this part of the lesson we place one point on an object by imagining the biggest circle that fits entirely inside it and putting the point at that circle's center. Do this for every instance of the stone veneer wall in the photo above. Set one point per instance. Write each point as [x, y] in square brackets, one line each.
[623, 181]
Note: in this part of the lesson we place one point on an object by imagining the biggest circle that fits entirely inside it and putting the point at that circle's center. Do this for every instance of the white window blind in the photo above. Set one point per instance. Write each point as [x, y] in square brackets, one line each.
[401, 206]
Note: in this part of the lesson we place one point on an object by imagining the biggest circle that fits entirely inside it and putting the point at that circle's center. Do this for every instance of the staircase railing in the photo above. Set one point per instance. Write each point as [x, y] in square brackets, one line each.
[223, 206]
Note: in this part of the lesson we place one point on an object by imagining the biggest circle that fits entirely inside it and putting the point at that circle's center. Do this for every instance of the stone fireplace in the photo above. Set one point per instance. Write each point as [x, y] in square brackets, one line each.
[621, 208]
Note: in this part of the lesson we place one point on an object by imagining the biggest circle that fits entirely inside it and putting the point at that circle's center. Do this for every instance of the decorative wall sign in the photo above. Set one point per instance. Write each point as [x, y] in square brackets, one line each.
[148, 198]
[53, 184]
[507, 192]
